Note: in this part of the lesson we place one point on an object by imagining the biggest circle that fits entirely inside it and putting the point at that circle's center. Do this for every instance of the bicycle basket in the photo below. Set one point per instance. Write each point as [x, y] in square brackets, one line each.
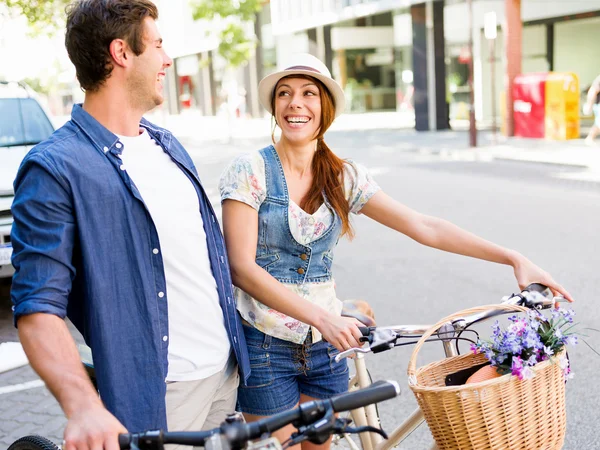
[497, 414]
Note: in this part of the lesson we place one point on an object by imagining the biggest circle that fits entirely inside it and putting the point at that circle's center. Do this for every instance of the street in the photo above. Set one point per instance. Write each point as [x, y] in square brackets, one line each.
[549, 213]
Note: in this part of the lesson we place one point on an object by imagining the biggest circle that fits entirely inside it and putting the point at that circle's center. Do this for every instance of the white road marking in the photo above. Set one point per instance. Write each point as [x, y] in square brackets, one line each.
[21, 387]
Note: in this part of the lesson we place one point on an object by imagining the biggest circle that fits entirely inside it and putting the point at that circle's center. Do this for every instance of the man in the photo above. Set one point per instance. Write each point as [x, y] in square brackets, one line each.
[114, 230]
[593, 105]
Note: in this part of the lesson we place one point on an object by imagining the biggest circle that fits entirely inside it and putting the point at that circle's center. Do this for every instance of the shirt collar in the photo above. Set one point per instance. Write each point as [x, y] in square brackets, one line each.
[104, 139]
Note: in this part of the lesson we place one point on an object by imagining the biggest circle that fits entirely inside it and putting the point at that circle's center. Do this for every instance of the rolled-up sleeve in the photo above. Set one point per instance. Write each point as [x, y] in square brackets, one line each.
[43, 238]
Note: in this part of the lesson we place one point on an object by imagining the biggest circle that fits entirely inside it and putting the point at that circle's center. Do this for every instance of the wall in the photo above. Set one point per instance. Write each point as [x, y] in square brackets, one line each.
[576, 48]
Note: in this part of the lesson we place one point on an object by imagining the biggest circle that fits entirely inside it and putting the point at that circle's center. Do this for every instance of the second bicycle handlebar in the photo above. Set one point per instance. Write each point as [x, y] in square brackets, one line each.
[237, 434]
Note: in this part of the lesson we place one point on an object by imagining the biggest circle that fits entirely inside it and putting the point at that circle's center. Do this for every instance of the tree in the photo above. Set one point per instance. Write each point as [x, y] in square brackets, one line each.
[232, 17]
[43, 16]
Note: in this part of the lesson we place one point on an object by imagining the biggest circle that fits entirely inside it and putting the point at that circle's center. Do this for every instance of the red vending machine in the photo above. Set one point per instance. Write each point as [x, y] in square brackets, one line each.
[529, 100]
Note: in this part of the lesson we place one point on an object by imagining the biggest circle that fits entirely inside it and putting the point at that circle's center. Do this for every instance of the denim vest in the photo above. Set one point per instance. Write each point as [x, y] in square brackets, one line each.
[277, 251]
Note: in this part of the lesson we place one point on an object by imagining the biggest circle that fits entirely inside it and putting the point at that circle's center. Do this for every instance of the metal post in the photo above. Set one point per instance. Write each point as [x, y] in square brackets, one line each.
[472, 124]
[430, 46]
[493, 87]
[490, 31]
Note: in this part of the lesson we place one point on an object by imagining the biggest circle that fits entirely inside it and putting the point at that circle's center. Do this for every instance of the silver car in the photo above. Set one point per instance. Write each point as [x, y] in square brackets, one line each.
[23, 124]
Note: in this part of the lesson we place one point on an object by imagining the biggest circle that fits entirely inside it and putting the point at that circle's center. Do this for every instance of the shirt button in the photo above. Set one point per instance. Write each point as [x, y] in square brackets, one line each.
[303, 257]
[105, 149]
[161, 294]
[235, 339]
[311, 220]
[300, 271]
[155, 251]
[165, 338]
[122, 167]
[119, 145]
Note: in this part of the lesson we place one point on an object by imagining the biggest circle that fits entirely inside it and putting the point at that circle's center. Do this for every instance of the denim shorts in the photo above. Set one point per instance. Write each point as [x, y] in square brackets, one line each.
[282, 370]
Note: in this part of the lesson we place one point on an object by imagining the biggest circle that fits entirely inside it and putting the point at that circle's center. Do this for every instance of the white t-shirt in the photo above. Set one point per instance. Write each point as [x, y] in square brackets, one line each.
[198, 342]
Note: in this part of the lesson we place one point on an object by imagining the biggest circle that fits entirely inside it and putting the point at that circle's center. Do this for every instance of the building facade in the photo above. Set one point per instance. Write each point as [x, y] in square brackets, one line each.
[410, 55]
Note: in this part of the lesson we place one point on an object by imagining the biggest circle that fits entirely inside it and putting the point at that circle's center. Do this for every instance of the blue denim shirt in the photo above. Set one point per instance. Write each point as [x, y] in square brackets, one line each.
[85, 247]
[277, 251]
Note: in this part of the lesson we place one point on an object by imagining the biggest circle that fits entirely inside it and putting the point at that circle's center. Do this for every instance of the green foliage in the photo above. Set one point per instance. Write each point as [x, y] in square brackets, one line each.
[43, 16]
[235, 46]
[209, 9]
[37, 85]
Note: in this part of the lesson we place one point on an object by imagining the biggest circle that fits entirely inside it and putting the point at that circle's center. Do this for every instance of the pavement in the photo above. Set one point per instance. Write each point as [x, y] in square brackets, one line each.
[27, 407]
[192, 127]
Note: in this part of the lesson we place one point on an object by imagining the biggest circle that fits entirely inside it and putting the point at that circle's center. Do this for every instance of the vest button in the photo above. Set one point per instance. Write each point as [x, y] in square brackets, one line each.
[303, 257]
[300, 271]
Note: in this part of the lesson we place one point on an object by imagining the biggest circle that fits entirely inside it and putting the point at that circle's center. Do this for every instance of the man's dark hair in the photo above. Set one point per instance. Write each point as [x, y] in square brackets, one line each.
[93, 24]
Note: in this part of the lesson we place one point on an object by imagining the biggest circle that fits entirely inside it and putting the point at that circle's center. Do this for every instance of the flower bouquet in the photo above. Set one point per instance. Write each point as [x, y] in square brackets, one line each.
[525, 410]
[526, 342]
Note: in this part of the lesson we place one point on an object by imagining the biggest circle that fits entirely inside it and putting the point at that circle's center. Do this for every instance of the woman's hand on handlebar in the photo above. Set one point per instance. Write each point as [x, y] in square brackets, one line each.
[527, 272]
[341, 332]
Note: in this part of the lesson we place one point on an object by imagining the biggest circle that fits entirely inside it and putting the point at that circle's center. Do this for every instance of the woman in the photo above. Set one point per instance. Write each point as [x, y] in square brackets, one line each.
[284, 209]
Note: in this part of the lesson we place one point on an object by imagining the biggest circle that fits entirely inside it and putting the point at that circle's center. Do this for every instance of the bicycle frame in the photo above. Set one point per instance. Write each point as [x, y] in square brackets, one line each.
[368, 415]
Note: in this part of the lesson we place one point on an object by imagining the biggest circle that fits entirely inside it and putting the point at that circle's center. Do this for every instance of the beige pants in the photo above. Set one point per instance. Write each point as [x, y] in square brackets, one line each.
[201, 404]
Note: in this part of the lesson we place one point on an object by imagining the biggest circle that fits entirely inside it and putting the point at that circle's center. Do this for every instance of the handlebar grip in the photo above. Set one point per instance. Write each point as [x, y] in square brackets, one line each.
[365, 331]
[536, 287]
[375, 393]
[124, 441]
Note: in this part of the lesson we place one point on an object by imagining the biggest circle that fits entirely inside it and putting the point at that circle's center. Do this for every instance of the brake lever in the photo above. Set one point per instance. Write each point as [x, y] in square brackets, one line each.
[349, 352]
[383, 340]
[366, 428]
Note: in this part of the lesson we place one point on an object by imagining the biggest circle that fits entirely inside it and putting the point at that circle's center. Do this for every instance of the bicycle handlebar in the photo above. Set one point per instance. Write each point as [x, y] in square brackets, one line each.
[237, 434]
[534, 296]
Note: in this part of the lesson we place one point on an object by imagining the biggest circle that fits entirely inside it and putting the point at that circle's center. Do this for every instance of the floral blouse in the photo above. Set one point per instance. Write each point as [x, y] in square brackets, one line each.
[244, 181]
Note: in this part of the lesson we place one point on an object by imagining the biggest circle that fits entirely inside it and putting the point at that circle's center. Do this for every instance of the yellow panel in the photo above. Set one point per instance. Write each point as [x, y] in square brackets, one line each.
[562, 106]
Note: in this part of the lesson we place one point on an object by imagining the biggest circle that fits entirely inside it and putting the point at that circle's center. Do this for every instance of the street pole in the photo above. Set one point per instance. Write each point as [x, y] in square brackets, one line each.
[493, 82]
[472, 124]
[490, 31]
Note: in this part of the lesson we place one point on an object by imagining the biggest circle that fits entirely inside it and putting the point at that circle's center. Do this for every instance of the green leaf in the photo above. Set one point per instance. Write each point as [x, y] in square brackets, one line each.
[235, 46]
[44, 17]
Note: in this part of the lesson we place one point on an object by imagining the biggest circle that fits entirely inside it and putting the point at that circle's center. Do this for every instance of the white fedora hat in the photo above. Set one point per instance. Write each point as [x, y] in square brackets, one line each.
[301, 64]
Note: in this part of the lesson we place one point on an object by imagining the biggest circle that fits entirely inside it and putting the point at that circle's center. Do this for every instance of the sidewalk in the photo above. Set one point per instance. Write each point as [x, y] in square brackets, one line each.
[192, 127]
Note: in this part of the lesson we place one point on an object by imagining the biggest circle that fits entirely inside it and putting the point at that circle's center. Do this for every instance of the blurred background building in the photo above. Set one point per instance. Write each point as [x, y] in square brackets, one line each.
[406, 56]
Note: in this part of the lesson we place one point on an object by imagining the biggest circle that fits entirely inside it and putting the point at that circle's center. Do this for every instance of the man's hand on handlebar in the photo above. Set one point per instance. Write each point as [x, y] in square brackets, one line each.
[91, 429]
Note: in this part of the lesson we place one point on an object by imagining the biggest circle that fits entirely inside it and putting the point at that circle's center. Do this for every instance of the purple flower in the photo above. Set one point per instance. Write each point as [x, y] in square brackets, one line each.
[527, 373]
[517, 367]
[532, 360]
[571, 340]
[568, 314]
[558, 333]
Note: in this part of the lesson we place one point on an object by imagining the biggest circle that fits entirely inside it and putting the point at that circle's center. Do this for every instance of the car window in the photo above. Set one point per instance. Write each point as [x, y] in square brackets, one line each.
[23, 122]
[11, 125]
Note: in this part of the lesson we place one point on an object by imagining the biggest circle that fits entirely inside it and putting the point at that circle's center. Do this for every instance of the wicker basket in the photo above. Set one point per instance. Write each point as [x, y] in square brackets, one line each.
[502, 413]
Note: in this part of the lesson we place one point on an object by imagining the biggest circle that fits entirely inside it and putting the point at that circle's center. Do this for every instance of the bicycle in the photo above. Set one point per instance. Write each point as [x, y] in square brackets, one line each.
[33, 442]
[316, 422]
[383, 338]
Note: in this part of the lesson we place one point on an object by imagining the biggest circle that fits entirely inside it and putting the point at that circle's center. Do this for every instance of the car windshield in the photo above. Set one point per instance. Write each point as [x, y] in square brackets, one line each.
[23, 122]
